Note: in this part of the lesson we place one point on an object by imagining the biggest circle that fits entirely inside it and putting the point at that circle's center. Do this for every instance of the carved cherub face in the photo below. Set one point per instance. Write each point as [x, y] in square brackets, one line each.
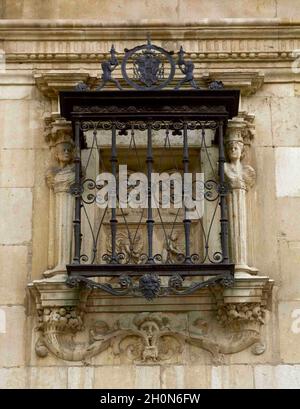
[64, 153]
[235, 150]
[150, 328]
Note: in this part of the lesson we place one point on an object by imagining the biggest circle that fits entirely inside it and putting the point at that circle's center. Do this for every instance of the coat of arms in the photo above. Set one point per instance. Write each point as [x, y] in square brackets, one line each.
[148, 68]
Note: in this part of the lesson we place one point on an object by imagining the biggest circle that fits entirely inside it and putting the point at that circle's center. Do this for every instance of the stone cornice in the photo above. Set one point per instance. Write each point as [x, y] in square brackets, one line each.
[247, 81]
[74, 24]
[215, 46]
[234, 30]
[50, 83]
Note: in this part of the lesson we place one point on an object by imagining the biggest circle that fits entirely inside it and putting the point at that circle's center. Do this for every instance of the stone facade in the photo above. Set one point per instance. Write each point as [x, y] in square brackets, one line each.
[52, 336]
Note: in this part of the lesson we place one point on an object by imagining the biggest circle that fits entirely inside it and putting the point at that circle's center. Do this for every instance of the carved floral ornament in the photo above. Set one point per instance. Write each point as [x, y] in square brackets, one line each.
[150, 337]
[69, 330]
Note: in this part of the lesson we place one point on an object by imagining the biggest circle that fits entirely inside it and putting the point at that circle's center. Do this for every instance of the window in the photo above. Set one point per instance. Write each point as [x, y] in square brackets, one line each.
[150, 192]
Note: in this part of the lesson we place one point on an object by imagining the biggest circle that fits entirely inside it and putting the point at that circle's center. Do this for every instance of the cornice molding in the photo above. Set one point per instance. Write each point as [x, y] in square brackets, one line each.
[50, 83]
[235, 30]
[141, 23]
[246, 81]
[266, 45]
[216, 47]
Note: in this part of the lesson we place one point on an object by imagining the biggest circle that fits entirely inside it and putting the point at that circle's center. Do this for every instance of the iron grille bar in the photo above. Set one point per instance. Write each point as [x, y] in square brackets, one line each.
[186, 221]
[113, 220]
[150, 221]
[77, 192]
[223, 193]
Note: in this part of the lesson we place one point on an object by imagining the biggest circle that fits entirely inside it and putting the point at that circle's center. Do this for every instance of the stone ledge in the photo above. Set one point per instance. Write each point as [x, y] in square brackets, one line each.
[50, 83]
[53, 292]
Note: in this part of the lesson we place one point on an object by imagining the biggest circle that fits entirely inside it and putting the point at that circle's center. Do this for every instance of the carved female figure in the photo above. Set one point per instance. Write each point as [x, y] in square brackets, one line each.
[59, 180]
[240, 178]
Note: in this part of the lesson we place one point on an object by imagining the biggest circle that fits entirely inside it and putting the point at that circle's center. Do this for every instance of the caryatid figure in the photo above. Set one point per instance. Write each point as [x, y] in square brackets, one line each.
[59, 180]
[240, 178]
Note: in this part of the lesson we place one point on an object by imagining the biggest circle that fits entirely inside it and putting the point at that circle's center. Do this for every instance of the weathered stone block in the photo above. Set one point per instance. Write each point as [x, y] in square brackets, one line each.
[16, 213]
[48, 378]
[16, 168]
[277, 377]
[289, 266]
[287, 186]
[285, 123]
[197, 376]
[114, 377]
[147, 377]
[289, 327]
[173, 377]
[12, 342]
[13, 274]
[80, 378]
[287, 215]
[232, 377]
[13, 378]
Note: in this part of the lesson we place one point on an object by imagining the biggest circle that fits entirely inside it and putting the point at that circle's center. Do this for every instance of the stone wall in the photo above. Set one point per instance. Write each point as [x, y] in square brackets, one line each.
[42, 57]
[126, 10]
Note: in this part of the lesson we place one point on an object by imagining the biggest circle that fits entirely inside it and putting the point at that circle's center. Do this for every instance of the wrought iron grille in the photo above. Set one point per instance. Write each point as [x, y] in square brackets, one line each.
[149, 251]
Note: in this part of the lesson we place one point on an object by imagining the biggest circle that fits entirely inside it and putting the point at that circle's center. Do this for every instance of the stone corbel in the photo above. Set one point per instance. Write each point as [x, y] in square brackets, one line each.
[69, 331]
[241, 311]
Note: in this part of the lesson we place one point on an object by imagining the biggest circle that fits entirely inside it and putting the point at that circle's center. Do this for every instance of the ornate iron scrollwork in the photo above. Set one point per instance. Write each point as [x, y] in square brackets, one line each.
[148, 67]
[150, 286]
[153, 67]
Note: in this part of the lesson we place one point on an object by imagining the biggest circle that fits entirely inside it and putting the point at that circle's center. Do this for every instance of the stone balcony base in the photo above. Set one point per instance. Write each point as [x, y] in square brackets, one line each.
[220, 321]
